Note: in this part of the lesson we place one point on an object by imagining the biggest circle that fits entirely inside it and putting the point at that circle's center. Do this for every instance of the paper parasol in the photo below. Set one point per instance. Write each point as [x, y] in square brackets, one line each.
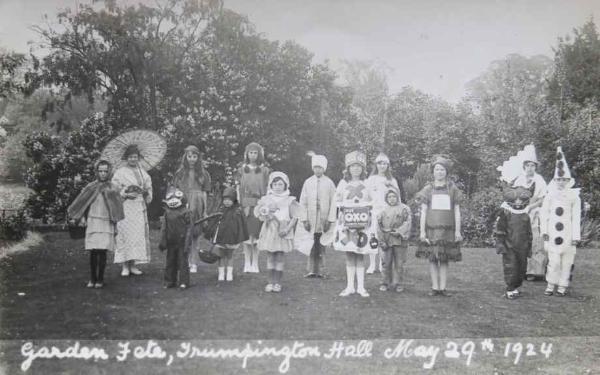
[152, 147]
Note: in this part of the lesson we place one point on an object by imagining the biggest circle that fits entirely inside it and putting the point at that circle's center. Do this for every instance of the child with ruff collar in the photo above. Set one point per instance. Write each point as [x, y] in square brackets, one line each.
[279, 211]
[560, 226]
[514, 237]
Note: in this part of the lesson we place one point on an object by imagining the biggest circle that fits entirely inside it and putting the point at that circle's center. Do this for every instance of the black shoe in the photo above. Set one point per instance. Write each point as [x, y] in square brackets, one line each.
[548, 292]
[444, 293]
[561, 294]
[433, 293]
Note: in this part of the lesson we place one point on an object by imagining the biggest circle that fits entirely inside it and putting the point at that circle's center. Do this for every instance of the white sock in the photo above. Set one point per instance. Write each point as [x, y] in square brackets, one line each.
[247, 258]
[350, 273]
[360, 278]
[255, 260]
[221, 273]
[229, 274]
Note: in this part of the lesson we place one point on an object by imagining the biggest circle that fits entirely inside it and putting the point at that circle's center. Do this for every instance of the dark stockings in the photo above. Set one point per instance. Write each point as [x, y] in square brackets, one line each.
[97, 265]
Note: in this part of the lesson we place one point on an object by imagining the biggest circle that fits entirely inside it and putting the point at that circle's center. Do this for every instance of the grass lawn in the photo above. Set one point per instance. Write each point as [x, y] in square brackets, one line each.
[56, 304]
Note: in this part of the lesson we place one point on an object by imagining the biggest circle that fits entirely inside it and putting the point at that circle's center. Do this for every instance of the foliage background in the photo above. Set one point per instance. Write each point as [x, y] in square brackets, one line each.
[202, 74]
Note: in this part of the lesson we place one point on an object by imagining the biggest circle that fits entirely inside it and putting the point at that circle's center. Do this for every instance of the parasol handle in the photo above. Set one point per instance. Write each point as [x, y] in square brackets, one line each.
[209, 217]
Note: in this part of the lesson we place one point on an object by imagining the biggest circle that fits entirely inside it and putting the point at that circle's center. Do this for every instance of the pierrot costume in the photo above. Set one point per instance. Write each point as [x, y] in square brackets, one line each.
[561, 223]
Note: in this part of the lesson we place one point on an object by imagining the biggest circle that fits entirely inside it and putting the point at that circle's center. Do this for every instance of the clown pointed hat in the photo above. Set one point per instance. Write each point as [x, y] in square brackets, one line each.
[528, 154]
[561, 169]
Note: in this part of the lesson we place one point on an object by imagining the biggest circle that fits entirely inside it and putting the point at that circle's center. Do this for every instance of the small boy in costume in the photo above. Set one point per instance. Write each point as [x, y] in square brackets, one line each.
[230, 233]
[176, 239]
[394, 229]
[318, 215]
[513, 238]
[560, 226]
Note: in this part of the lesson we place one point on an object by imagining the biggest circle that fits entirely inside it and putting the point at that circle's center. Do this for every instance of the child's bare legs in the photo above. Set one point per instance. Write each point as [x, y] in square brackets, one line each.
[350, 274]
[228, 264]
[222, 262]
[254, 259]
[247, 256]
[434, 273]
[443, 275]
[278, 258]
[271, 271]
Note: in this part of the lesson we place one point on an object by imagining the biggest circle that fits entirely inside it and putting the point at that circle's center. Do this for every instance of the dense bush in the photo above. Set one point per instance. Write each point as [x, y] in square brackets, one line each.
[479, 216]
[14, 227]
[62, 167]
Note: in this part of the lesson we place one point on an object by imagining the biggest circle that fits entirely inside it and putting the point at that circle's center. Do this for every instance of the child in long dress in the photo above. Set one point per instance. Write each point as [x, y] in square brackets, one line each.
[252, 179]
[379, 182]
[195, 183]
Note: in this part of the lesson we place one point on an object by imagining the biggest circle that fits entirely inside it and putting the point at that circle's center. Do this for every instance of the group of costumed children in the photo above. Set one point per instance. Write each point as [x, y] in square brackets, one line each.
[358, 217]
[559, 226]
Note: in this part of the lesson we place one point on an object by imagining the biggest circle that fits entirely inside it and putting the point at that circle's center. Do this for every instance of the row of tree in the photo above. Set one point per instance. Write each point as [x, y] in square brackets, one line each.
[199, 73]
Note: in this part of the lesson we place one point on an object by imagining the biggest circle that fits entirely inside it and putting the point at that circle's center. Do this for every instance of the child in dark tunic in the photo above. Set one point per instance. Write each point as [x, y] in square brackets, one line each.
[230, 233]
[513, 238]
[175, 237]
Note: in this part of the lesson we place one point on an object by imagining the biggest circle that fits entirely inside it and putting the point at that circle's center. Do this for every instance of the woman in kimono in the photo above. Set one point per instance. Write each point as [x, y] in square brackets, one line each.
[133, 235]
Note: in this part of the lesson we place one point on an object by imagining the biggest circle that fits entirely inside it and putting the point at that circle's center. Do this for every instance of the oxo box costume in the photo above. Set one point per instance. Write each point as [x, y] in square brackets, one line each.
[356, 227]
